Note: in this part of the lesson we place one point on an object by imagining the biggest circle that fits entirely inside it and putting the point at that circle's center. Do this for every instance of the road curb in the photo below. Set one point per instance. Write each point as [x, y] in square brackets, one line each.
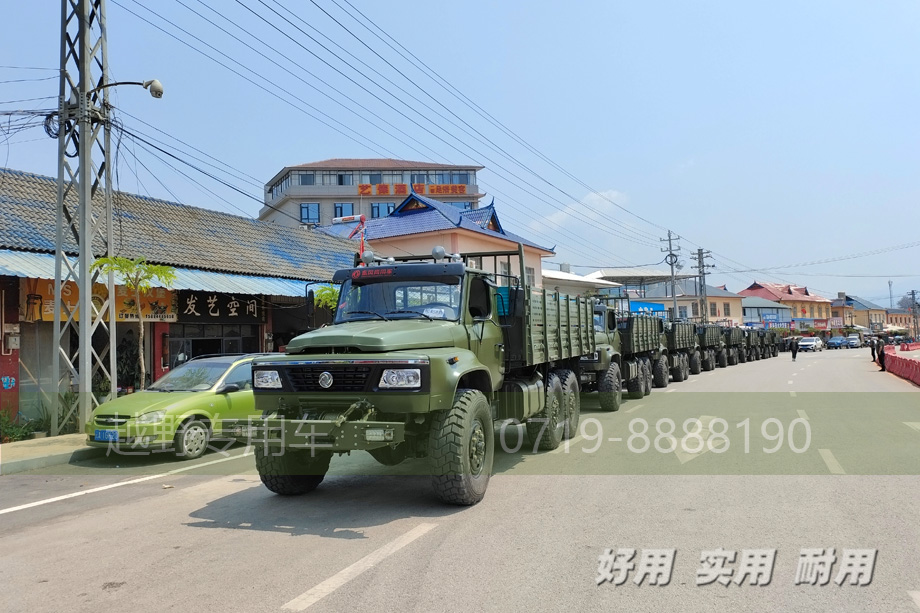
[21, 465]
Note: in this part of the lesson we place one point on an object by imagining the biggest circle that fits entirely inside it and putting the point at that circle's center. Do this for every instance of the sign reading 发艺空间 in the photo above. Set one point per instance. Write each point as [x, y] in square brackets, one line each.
[194, 306]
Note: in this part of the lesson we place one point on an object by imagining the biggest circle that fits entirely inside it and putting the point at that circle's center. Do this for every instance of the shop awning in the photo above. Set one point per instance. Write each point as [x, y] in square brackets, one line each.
[41, 266]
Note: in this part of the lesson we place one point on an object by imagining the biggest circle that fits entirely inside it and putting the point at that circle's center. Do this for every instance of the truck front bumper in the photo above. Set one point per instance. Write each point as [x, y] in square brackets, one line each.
[275, 434]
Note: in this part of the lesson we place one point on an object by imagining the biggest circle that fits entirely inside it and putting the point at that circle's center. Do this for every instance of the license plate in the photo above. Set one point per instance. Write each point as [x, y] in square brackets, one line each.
[106, 435]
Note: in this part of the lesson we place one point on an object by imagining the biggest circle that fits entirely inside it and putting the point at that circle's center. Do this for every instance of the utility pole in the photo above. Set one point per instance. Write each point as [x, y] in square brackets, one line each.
[702, 266]
[671, 259]
[84, 218]
[915, 329]
[890, 296]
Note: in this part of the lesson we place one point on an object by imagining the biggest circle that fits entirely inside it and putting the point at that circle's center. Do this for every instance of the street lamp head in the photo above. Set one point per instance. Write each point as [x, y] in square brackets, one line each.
[155, 88]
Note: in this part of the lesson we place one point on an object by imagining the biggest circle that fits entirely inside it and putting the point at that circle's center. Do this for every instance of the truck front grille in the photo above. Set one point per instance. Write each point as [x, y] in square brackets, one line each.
[344, 378]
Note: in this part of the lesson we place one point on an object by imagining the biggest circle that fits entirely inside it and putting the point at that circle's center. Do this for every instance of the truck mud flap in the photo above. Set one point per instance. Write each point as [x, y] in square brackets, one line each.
[277, 434]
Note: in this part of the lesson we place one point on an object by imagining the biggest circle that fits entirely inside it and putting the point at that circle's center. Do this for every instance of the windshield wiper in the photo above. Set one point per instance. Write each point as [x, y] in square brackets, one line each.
[413, 313]
[367, 313]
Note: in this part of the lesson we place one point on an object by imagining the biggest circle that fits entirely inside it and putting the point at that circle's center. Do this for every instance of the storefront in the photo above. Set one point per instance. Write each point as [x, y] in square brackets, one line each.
[211, 323]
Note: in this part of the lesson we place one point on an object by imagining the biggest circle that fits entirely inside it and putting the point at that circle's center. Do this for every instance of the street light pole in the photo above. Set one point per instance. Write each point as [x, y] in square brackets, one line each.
[84, 224]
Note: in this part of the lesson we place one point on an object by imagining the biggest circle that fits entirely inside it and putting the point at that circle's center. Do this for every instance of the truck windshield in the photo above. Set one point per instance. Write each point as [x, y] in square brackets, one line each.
[428, 298]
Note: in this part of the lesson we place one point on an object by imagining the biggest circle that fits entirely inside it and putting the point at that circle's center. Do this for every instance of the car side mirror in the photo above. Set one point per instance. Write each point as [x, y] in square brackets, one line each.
[228, 388]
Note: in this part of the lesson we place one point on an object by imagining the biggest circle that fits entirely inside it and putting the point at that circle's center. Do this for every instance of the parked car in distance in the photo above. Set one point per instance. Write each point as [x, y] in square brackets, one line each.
[202, 399]
[837, 342]
[811, 343]
[853, 341]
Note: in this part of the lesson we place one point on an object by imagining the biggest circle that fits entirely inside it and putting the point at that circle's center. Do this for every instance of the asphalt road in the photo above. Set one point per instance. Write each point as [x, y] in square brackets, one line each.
[133, 533]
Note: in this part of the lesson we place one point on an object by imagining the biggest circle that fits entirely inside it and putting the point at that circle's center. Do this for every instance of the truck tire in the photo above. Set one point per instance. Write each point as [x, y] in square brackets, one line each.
[696, 365]
[732, 356]
[776, 351]
[707, 361]
[461, 449]
[678, 371]
[723, 358]
[742, 355]
[610, 389]
[545, 430]
[686, 359]
[647, 364]
[660, 374]
[636, 386]
[293, 472]
[756, 353]
[571, 397]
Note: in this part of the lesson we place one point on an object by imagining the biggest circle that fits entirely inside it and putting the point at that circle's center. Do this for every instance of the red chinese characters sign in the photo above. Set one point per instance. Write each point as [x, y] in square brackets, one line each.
[402, 189]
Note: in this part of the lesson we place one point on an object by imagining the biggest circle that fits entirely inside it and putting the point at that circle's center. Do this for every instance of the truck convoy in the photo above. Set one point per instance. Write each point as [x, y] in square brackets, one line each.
[424, 355]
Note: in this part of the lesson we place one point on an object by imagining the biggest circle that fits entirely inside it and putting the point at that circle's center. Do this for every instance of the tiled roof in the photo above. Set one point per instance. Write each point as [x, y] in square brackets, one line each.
[431, 216]
[635, 275]
[686, 288]
[861, 304]
[779, 292]
[756, 302]
[380, 164]
[169, 233]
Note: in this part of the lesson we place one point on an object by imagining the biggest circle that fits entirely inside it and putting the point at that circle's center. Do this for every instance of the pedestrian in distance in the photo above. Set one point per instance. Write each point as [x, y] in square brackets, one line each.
[794, 348]
[872, 347]
[881, 354]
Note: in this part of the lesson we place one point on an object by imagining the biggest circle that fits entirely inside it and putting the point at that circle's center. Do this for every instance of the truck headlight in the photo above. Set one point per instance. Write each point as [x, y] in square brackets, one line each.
[150, 418]
[405, 378]
[266, 379]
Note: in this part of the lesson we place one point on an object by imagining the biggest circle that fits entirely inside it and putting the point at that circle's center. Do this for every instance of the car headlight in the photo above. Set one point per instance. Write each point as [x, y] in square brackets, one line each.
[266, 379]
[401, 378]
[150, 418]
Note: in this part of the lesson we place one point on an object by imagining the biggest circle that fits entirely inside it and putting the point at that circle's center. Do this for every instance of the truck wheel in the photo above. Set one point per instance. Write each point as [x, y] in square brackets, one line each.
[723, 358]
[660, 374]
[571, 398]
[742, 356]
[775, 351]
[610, 389]
[647, 364]
[678, 371]
[545, 430]
[732, 356]
[461, 449]
[685, 361]
[293, 471]
[695, 363]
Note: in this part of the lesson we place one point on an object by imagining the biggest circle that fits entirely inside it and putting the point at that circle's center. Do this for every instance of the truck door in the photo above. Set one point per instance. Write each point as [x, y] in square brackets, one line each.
[486, 338]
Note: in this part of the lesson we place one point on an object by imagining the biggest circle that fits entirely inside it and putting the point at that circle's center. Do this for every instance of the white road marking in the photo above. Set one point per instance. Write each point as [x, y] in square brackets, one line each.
[791, 393]
[693, 380]
[795, 374]
[39, 503]
[684, 456]
[638, 406]
[915, 596]
[673, 389]
[832, 464]
[789, 381]
[913, 424]
[566, 444]
[345, 575]
[802, 414]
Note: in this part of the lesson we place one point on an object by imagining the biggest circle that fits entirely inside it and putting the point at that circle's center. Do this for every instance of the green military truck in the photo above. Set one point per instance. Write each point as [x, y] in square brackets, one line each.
[641, 338]
[629, 355]
[420, 360]
[682, 343]
[772, 341]
[733, 340]
[710, 343]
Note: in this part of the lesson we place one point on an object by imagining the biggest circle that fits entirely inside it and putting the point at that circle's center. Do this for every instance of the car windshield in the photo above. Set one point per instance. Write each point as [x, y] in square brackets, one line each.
[837, 339]
[425, 298]
[191, 377]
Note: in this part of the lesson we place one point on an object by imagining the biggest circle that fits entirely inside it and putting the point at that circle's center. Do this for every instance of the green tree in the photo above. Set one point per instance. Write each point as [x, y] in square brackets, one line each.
[139, 277]
[326, 296]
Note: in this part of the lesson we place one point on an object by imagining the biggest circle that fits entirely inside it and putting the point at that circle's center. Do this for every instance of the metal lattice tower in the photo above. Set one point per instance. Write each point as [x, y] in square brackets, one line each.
[84, 213]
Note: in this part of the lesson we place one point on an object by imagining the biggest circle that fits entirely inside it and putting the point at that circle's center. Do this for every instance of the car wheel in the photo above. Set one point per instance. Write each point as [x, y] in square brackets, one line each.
[192, 438]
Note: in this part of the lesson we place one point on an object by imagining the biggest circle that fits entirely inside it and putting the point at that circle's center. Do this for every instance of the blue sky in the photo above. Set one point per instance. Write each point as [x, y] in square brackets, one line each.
[772, 134]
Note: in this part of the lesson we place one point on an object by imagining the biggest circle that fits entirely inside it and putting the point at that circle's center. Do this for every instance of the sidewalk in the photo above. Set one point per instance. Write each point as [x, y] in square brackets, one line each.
[40, 452]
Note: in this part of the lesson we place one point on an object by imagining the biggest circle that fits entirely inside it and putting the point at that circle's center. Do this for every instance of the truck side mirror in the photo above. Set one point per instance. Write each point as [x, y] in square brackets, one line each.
[311, 303]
